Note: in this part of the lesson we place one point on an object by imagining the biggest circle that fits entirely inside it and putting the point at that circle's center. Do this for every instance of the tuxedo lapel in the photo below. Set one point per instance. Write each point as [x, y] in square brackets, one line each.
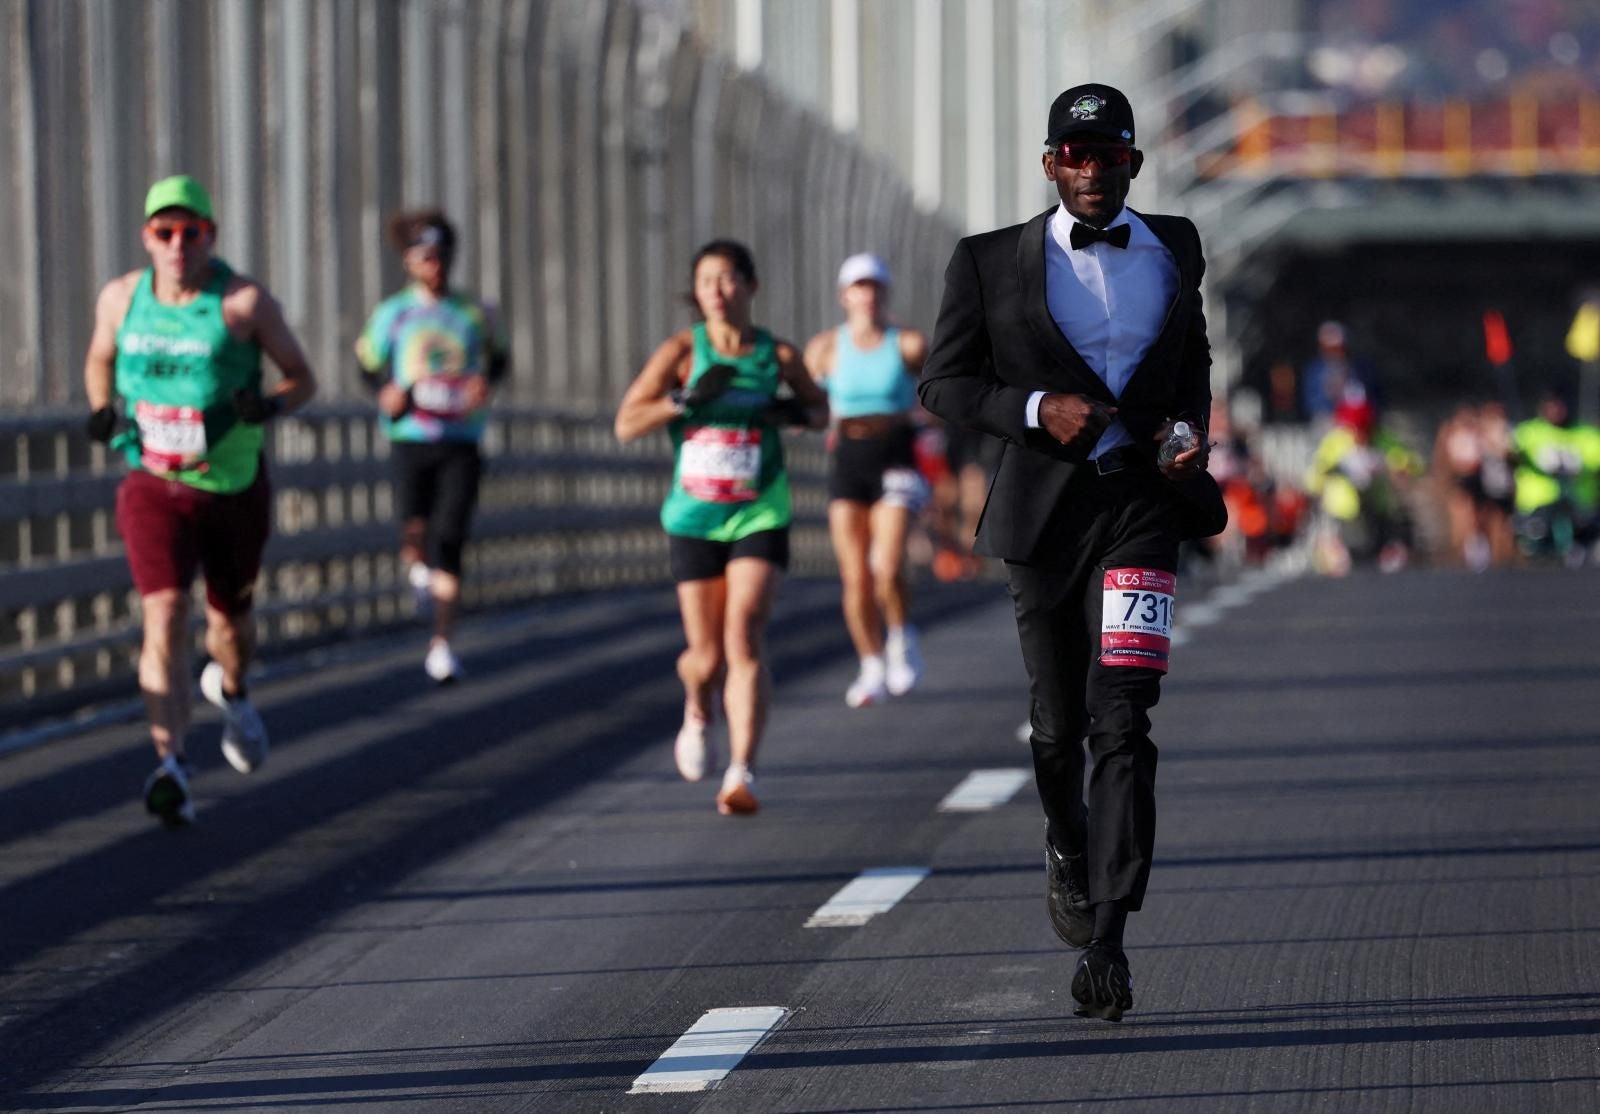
[1173, 326]
[1036, 310]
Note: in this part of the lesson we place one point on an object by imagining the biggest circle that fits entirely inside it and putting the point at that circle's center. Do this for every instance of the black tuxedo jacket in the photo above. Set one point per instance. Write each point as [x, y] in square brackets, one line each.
[995, 343]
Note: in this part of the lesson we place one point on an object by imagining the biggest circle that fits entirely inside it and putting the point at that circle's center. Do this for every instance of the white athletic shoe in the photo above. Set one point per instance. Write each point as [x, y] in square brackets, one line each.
[420, 577]
[244, 736]
[737, 797]
[905, 661]
[868, 687]
[441, 664]
[166, 793]
[689, 750]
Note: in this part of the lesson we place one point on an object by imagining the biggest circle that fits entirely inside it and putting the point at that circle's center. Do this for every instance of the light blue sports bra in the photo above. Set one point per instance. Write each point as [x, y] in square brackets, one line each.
[869, 382]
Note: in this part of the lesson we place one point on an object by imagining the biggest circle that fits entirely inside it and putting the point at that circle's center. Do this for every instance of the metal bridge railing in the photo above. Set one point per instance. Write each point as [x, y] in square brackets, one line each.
[564, 507]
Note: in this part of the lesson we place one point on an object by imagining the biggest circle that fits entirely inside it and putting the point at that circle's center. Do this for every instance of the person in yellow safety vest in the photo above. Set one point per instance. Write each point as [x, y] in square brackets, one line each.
[1355, 474]
[1557, 476]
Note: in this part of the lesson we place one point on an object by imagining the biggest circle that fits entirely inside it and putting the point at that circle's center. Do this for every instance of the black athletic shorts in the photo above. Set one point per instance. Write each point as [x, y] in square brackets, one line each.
[700, 559]
[867, 469]
[438, 481]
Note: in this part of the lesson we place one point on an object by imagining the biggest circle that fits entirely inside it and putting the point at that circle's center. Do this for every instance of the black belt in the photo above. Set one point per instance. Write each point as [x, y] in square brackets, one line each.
[1123, 458]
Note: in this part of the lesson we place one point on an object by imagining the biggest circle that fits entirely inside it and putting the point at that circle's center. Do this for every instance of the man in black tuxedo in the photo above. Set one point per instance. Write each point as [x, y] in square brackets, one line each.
[1078, 339]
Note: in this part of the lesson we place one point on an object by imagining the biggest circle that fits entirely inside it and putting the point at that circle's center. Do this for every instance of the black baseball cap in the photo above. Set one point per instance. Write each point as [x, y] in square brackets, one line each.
[1095, 108]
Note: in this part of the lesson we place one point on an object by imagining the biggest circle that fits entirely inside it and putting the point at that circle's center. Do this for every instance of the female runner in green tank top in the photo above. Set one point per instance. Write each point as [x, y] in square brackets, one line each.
[714, 387]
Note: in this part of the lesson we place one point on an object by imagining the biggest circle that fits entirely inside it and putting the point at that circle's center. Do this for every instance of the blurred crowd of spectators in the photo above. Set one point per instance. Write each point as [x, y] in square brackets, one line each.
[1433, 49]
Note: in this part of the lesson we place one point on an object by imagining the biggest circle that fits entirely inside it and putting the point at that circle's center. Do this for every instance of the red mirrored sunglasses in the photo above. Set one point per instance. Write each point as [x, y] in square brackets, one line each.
[1076, 156]
[191, 231]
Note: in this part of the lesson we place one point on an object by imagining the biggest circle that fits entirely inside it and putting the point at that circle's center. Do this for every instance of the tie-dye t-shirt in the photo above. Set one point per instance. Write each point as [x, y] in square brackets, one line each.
[431, 346]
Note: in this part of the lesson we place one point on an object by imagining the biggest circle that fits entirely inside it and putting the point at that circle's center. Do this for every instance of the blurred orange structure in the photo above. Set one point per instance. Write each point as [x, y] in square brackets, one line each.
[1522, 135]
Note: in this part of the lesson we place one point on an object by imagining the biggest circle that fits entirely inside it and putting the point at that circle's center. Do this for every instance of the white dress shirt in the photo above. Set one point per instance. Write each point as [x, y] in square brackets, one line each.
[1109, 302]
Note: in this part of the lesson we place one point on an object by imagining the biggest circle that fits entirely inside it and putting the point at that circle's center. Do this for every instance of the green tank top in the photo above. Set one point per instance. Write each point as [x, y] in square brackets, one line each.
[177, 370]
[728, 477]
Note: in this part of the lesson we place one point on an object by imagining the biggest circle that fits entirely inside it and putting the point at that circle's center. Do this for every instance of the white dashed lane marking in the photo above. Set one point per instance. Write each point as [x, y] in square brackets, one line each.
[984, 789]
[871, 892]
[709, 1050]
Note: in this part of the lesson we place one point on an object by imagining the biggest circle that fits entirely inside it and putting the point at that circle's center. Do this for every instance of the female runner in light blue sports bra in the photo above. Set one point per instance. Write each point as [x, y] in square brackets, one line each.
[869, 369]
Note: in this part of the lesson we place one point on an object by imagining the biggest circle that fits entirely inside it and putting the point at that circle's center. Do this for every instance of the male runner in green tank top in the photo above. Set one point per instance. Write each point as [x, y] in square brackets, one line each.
[180, 342]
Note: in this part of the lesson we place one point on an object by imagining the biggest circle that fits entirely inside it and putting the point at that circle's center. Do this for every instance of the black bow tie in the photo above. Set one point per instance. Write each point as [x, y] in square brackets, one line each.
[1083, 235]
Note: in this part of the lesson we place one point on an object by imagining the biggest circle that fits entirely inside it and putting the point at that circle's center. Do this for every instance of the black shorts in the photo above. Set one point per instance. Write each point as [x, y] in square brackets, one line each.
[701, 559]
[437, 481]
[867, 469]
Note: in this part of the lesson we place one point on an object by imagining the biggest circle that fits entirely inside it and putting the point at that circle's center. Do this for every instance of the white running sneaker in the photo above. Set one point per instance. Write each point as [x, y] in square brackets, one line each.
[244, 736]
[689, 750]
[905, 661]
[166, 793]
[738, 797]
[420, 577]
[441, 664]
[868, 687]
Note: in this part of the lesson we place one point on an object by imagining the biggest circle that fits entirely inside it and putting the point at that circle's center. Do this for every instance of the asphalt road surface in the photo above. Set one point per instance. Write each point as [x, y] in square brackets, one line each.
[1377, 884]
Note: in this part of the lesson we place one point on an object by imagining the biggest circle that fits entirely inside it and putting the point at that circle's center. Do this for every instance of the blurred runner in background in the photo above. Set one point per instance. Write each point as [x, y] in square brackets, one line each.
[430, 355]
[869, 369]
[180, 342]
[715, 389]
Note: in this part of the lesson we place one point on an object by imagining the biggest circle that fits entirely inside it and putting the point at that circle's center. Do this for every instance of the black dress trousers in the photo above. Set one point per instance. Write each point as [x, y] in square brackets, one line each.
[1129, 519]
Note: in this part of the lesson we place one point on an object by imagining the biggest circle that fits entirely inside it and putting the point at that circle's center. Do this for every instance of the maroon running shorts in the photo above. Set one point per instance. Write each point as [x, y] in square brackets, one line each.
[170, 529]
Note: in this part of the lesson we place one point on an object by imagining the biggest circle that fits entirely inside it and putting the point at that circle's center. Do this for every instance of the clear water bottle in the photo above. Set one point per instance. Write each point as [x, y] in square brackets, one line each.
[1180, 440]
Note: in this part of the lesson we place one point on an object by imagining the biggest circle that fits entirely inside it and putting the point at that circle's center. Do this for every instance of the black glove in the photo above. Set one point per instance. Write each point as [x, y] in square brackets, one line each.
[711, 385]
[101, 424]
[787, 411]
[253, 407]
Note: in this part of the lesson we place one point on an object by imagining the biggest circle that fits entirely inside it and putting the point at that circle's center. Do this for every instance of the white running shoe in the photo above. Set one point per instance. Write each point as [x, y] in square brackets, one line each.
[244, 736]
[441, 664]
[166, 793]
[868, 687]
[738, 797]
[420, 577]
[905, 661]
[689, 750]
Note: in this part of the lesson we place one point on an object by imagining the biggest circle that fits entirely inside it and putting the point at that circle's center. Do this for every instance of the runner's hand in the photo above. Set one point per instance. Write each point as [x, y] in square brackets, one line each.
[394, 400]
[254, 408]
[787, 411]
[475, 391]
[1074, 419]
[711, 385]
[101, 424]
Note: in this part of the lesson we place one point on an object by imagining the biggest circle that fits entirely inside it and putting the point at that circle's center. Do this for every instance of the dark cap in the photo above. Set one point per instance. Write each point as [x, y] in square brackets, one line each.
[1094, 108]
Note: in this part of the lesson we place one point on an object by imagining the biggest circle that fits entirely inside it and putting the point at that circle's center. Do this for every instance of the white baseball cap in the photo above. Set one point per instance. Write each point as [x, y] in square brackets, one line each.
[863, 267]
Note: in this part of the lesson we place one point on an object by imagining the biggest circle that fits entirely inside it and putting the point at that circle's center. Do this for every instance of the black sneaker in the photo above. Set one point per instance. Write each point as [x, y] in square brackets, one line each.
[1067, 896]
[166, 793]
[1102, 983]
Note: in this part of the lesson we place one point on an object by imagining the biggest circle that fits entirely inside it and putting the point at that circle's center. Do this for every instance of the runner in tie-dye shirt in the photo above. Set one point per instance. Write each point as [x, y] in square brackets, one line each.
[431, 354]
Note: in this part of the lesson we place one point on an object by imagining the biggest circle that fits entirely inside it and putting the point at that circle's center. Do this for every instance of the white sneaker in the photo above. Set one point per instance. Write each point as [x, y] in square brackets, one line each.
[244, 736]
[905, 662]
[689, 750]
[420, 577]
[166, 793]
[738, 797]
[441, 664]
[868, 687]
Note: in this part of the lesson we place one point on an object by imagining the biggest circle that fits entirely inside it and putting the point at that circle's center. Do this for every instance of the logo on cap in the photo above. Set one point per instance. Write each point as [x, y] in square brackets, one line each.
[1087, 107]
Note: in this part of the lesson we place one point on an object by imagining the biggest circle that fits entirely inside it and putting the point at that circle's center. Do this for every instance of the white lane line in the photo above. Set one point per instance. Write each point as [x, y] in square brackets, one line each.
[709, 1050]
[982, 790]
[1198, 614]
[1179, 636]
[871, 892]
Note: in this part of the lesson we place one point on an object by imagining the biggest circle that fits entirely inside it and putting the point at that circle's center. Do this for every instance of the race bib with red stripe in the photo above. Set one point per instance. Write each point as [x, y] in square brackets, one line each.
[721, 465]
[1136, 617]
[170, 437]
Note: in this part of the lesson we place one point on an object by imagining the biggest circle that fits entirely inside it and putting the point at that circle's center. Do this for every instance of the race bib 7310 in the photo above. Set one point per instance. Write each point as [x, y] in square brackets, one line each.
[1136, 617]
